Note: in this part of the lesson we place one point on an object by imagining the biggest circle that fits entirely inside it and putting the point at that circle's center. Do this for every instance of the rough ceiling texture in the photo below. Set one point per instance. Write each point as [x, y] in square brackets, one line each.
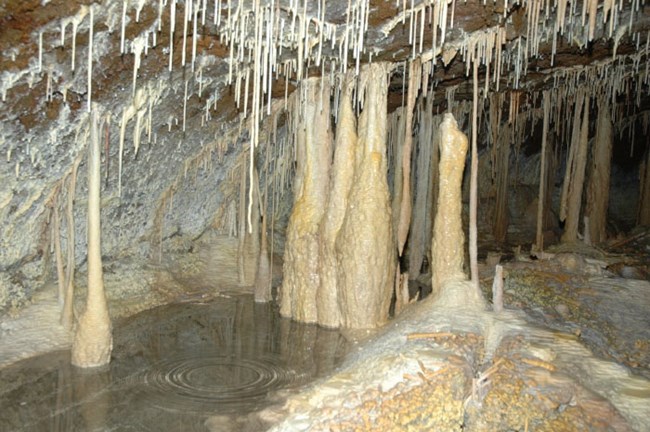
[184, 86]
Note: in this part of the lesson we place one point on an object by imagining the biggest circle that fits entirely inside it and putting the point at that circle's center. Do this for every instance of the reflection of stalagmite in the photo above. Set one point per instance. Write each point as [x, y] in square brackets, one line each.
[342, 176]
[93, 340]
[263, 276]
[365, 246]
[598, 188]
[301, 257]
[248, 247]
[447, 247]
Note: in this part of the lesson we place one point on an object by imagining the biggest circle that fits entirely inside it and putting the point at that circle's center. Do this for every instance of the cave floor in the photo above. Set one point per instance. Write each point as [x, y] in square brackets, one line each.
[571, 351]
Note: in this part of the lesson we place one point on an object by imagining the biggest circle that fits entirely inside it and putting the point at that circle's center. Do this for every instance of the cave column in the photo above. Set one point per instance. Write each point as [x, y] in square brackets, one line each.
[643, 217]
[341, 181]
[366, 249]
[93, 341]
[599, 174]
[425, 193]
[500, 227]
[575, 171]
[313, 152]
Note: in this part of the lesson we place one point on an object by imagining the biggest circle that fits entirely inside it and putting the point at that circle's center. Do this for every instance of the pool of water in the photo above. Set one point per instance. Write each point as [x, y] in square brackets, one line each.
[183, 367]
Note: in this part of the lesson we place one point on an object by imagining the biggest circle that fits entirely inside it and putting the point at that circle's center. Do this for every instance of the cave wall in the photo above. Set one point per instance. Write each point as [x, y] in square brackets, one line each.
[190, 102]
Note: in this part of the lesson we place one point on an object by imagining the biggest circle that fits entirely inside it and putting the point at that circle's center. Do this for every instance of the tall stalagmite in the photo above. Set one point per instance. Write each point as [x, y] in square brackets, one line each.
[341, 182]
[447, 247]
[366, 251]
[302, 249]
[93, 341]
[598, 187]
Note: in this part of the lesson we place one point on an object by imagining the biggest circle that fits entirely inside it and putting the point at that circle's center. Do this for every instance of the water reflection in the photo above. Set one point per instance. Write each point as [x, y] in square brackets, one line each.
[175, 368]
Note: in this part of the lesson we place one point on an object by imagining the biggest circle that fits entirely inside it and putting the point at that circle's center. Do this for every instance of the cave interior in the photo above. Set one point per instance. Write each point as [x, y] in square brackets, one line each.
[454, 194]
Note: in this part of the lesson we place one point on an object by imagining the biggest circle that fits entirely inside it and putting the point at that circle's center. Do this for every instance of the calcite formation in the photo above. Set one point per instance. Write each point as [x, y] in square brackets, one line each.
[93, 340]
[448, 243]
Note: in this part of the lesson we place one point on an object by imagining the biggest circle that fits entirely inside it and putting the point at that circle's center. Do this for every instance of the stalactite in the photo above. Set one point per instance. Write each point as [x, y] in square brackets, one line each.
[366, 252]
[56, 239]
[473, 194]
[341, 181]
[404, 220]
[597, 197]
[67, 313]
[90, 57]
[541, 201]
[93, 341]
[425, 189]
[396, 125]
[123, 32]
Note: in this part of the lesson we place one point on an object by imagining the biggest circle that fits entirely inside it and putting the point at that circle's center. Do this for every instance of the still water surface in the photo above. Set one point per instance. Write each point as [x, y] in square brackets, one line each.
[183, 367]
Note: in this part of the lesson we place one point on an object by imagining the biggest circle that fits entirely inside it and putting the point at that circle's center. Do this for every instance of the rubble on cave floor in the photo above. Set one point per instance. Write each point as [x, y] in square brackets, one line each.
[581, 290]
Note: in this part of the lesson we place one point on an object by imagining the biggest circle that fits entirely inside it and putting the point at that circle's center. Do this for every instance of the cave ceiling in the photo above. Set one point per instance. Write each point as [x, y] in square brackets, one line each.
[171, 77]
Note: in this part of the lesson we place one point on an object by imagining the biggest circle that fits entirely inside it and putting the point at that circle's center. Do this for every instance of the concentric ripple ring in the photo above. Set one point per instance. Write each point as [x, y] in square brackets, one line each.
[212, 383]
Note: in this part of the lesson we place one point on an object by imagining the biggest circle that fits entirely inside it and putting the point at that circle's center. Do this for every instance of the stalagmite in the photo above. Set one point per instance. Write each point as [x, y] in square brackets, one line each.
[341, 182]
[301, 257]
[365, 247]
[93, 341]
[497, 289]
[576, 174]
[447, 247]
[599, 172]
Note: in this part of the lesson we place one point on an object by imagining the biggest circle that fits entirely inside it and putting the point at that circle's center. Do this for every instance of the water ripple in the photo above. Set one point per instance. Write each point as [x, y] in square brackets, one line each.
[213, 383]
